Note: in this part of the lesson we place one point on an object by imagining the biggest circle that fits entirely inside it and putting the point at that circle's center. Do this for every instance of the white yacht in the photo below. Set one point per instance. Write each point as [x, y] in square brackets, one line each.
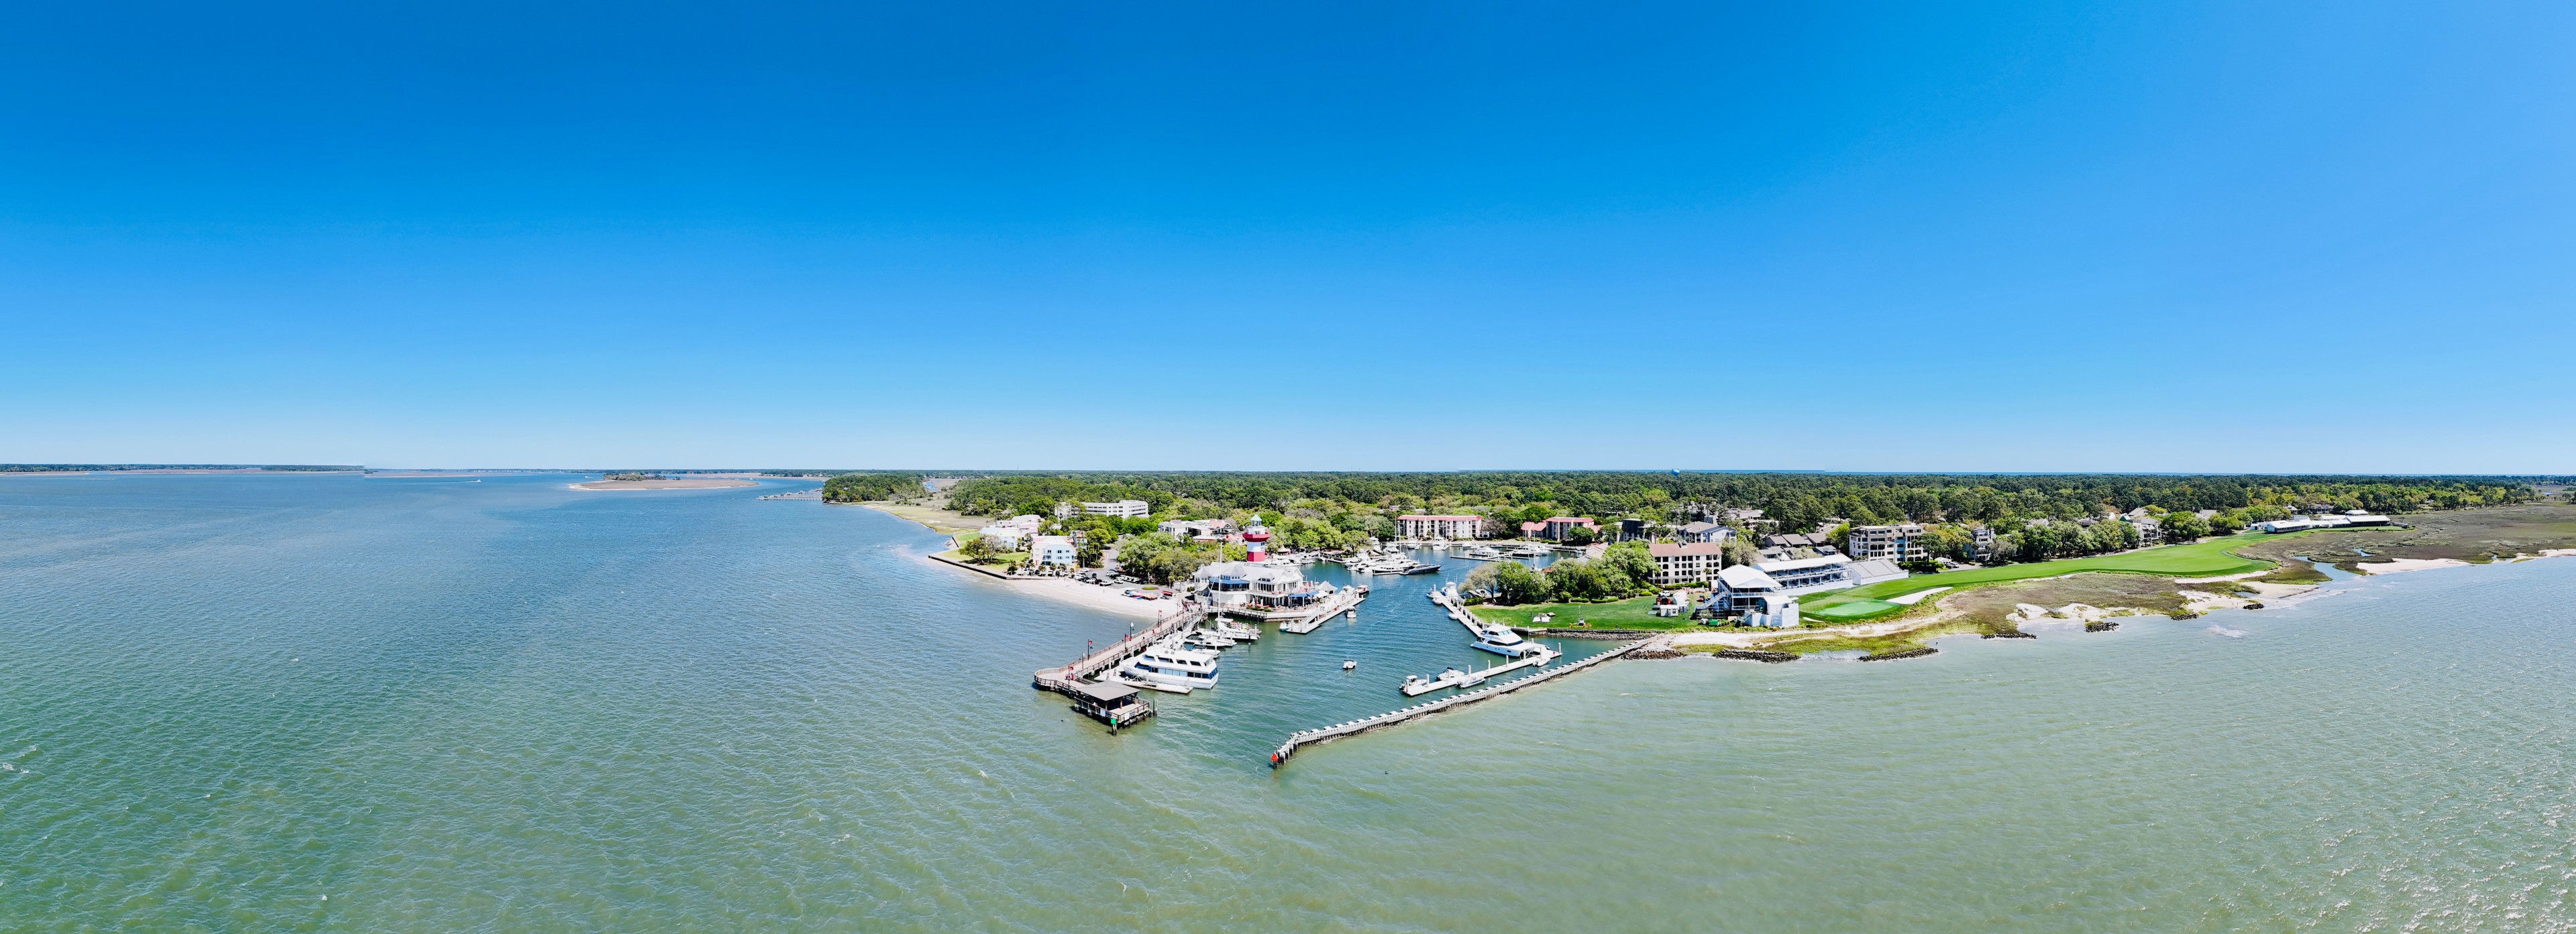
[1503, 640]
[1400, 564]
[1170, 662]
[1207, 639]
[1234, 630]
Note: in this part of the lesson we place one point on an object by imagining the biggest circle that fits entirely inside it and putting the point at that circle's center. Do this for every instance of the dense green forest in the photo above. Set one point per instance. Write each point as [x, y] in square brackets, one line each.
[865, 487]
[1792, 500]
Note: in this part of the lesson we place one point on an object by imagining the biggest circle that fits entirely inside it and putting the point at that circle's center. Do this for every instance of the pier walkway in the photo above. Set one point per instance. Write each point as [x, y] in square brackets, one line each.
[1067, 680]
[1304, 738]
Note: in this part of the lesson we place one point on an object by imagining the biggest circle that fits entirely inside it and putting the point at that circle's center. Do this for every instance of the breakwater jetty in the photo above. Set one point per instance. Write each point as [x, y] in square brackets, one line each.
[1304, 738]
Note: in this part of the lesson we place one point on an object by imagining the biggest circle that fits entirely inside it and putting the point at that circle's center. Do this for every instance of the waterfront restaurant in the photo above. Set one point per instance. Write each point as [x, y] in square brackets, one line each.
[1260, 588]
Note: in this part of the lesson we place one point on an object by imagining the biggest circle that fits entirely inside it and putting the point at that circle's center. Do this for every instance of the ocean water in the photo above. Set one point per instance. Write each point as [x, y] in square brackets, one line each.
[332, 703]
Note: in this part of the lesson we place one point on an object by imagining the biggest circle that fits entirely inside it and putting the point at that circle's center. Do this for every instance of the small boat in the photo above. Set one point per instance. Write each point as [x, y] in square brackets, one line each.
[1348, 665]
[1234, 631]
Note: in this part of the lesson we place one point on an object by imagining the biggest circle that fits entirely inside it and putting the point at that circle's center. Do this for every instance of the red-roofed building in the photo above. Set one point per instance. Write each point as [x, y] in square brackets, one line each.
[1558, 528]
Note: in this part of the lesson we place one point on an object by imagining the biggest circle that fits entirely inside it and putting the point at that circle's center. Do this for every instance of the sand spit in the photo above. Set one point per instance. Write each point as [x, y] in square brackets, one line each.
[2402, 565]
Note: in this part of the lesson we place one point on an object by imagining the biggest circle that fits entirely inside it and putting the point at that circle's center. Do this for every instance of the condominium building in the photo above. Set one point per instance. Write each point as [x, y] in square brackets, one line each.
[1009, 534]
[1556, 529]
[1124, 509]
[1686, 564]
[1893, 542]
[1706, 532]
[1051, 551]
[1449, 527]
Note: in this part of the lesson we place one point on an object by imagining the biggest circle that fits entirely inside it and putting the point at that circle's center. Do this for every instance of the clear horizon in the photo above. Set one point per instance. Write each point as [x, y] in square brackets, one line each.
[2186, 238]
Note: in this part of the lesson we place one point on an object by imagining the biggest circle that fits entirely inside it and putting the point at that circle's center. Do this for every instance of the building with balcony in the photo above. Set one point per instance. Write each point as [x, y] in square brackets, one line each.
[1898, 543]
[1449, 527]
[1691, 563]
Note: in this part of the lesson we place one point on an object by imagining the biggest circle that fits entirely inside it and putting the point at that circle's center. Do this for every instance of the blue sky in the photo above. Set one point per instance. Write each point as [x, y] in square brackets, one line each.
[2151, 237]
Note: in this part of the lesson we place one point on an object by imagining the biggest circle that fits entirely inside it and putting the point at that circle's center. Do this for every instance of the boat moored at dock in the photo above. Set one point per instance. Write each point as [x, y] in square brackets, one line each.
[1170, 662]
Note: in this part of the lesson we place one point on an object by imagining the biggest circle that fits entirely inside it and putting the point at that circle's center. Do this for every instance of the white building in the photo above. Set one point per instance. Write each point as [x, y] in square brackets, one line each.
[1009, 534]
[1697, 532]
[1051, 551]
[1897, 542]
[1772, 611]
[1124, 509]
[1686, 564]
[1740, 588]
[2320, 522]
[2151, 531]
[1197, 529]
[1982, 544]
[1261, 587]
[1450, 527]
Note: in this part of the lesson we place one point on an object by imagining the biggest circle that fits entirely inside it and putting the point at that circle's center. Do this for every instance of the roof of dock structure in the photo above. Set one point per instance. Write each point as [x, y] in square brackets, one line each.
[1104, 691]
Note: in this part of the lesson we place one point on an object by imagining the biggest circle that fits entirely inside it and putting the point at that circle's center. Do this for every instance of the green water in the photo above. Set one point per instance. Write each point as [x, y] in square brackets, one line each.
[510, 706]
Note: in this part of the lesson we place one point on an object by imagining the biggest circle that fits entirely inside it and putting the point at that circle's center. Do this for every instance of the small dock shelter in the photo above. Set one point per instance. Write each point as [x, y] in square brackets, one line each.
[1111, 703]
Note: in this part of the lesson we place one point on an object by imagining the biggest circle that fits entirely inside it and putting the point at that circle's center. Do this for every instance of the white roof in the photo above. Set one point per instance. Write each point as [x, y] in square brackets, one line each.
[1746, 577]
[1250, 571]
[1776, 567]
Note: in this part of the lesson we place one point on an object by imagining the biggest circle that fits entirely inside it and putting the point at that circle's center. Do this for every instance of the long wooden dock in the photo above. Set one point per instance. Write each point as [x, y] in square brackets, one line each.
[1066, 680]
[1304, 738]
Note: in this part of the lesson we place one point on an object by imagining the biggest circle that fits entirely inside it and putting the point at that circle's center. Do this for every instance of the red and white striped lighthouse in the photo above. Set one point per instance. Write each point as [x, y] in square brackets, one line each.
[1256, 544]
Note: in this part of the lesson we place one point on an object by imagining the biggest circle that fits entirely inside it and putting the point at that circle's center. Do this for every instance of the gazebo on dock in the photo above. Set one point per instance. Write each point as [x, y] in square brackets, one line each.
[1111, 703]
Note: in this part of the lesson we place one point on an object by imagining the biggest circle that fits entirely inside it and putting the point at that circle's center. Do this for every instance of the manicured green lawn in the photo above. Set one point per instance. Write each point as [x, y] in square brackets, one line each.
[2212, 557]
[1632, 613]
[1854, 610]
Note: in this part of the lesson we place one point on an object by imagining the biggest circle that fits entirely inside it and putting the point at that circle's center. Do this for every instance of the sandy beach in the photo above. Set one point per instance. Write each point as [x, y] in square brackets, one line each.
[1111, 599]
[2402, 565]
[937, 520]
[683, 484]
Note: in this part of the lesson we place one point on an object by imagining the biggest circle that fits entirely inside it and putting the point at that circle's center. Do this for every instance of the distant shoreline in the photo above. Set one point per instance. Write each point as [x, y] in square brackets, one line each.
[689, 484]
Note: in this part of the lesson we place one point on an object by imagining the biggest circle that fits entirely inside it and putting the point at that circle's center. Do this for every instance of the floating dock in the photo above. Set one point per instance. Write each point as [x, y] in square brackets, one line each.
[1345, 601]
[1304, 738]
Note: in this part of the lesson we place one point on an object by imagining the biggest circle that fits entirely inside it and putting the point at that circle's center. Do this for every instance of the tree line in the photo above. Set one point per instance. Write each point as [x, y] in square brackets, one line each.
[871, 487]
[1793, 501]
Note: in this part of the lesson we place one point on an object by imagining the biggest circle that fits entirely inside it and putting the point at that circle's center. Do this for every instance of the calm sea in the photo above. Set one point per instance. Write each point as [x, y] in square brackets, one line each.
[333, 703]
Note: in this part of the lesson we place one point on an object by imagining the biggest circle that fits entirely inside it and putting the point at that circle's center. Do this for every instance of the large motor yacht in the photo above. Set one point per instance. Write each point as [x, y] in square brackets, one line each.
[1171, 663]
[1503, 640]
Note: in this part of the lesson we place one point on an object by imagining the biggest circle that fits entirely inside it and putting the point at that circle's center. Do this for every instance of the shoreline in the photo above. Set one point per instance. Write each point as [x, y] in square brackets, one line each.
[2272, 595]
[599, 486]
[1068, 590]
